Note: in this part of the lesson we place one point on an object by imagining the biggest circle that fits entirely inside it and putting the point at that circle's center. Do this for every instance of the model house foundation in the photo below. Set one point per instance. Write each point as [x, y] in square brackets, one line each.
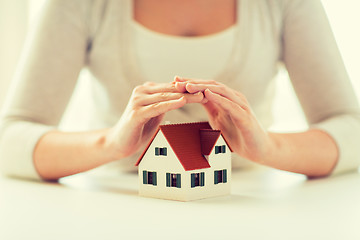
[185, 162]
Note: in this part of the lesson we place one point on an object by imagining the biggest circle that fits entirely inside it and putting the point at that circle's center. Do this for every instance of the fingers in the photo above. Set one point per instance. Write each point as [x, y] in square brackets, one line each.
[200, 85]
[151, 88]
[234, 110]
[148, 99]
[194, 80]
[189, 84]
[180, 87]
[150, 93]
[156, 109]
[220, 89]
[151, 100]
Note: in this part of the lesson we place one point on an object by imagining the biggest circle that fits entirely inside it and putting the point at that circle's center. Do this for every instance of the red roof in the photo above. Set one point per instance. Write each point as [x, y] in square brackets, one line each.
[190, 142]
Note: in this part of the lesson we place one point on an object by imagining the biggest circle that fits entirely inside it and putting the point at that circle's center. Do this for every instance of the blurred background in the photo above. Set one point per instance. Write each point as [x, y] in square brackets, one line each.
[17, 19]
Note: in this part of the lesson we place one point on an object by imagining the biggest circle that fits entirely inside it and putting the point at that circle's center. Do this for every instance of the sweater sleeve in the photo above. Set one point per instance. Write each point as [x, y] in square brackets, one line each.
[319, 78]
[46, 76]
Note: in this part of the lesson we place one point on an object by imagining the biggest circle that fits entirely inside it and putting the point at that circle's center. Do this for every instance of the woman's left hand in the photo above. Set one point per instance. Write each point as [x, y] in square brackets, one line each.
[229, 111]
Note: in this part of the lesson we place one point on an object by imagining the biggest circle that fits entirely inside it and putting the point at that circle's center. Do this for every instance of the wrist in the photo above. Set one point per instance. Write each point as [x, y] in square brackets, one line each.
[272, 150]
[107, 146]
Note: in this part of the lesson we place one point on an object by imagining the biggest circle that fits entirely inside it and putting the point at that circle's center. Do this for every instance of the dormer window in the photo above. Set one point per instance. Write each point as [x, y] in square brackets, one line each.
[160, 151]
[220, 149]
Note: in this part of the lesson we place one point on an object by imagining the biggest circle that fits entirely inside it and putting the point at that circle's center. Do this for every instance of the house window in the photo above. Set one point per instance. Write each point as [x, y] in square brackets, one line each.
[220, 149]
[197, 179]
[149, 178]
[173, 180]
[220, 176]
[160, 151]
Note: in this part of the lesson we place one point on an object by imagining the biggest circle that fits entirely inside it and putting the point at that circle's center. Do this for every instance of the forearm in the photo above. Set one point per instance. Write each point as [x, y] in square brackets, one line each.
[60, 154]
[313, 153]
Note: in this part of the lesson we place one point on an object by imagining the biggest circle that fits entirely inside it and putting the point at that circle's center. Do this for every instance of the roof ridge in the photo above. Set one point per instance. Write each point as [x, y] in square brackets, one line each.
[187, 123]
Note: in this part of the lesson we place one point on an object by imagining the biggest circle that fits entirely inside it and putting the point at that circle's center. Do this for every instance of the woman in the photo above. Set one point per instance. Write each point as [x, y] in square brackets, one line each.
[134, 48]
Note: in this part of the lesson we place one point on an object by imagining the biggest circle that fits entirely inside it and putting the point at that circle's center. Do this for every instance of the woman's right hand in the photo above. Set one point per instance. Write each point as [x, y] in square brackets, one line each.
[142, 116]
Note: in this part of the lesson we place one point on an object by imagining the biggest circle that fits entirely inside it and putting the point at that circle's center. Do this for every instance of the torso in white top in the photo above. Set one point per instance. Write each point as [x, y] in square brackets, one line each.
[160, 57]
[98, 35]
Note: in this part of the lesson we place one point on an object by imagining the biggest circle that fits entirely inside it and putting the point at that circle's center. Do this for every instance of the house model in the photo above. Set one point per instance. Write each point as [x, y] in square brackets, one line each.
[185, 162]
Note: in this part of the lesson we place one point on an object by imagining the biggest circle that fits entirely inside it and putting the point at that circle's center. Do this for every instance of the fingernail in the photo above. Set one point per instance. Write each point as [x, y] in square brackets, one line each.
[204, 100]
[179, 79]
[179, 84]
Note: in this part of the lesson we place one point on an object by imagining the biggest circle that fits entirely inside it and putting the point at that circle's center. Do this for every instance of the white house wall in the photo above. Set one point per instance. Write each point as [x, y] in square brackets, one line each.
[208, 190]
[218, 161]
[161, 165]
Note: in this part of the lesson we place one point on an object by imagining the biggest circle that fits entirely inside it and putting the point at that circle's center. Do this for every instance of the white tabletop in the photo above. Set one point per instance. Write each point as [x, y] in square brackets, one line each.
[264, 204]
